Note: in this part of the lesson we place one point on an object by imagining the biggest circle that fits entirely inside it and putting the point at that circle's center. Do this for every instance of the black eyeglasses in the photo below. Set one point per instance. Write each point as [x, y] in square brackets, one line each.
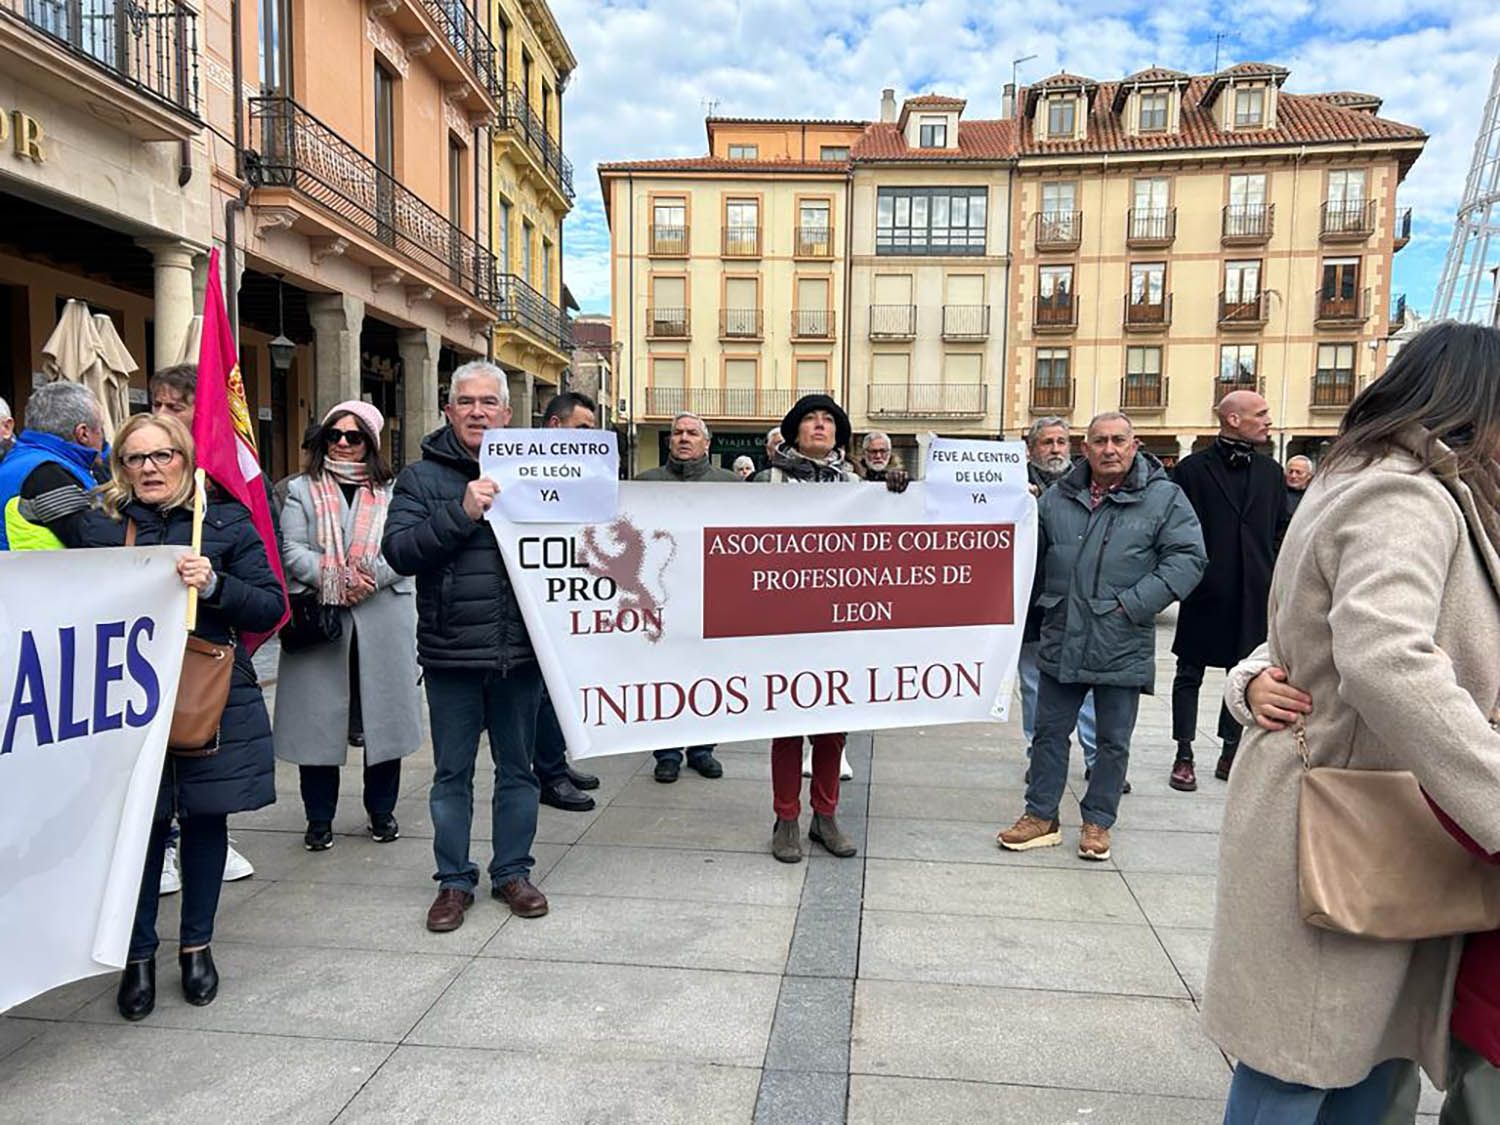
[162, 457]
[344, 437]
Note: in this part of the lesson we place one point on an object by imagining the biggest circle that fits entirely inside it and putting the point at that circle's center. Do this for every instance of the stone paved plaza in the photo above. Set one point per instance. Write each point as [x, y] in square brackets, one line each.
[685, 976]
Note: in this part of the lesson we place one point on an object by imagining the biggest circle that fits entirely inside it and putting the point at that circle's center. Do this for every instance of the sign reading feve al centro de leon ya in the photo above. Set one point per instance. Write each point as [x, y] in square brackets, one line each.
[706, 613]
[551, 476]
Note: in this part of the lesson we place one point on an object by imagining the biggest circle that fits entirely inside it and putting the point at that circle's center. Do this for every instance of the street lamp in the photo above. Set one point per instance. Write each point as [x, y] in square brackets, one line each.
[282, 350]
[1015, 66]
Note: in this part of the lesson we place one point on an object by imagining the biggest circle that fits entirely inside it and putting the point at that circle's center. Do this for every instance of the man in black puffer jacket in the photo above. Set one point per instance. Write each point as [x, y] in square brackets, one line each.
[479, 670]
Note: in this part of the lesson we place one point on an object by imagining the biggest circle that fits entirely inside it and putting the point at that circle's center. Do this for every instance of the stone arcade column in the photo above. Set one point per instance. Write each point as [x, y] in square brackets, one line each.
[419, 379]
[172, 271]
[337, 319]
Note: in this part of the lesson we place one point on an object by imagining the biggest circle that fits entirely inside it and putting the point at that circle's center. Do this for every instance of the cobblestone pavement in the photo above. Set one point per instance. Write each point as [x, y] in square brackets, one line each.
[685, 976]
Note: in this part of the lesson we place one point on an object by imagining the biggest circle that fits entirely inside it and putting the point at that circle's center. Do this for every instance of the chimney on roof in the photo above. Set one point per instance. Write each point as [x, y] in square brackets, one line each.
[888, 105]
[1008, 101]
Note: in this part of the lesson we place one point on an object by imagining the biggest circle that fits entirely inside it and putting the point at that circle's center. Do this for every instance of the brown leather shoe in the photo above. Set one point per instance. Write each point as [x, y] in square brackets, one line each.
[1093, 842]
[1183, 779]
[524, 900]
[447, 910]
[1030, 832]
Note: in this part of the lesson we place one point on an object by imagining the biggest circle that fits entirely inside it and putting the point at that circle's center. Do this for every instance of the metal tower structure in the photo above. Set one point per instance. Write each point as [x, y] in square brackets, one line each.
[1466, 291]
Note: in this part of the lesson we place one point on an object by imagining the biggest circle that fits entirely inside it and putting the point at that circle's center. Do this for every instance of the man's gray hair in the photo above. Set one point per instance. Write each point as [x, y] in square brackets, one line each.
[1034, 431]
[479, 369]
[864, 444]
[60, 408]
[4, 410]
[697, 418]
[1111, 416]
[1294, 457]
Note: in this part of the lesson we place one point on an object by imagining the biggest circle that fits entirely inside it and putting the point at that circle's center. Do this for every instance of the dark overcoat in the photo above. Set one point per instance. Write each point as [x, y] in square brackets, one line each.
[1224, 618]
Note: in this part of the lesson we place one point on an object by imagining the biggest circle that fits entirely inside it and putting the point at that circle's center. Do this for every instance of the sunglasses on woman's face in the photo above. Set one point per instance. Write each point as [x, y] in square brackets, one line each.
[344, 437]
[162, 457]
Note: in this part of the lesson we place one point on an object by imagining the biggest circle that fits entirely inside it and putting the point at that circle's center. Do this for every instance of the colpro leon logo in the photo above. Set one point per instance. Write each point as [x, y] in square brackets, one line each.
[614, 575]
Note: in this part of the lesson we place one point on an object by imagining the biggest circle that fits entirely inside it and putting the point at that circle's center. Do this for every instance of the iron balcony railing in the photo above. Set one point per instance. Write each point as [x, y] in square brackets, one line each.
[814, 242]
[893, 322]
[468, 40]
[1343, 308]
[1403, 227]
[1146, 315]
[966, 322]
[1058, 230]
[1248, 223]
[1243, 310]
[1348, 220]
[741, 324]
[1332, 390]
[1057, 313]
[149, 45]
[517, 116]
[741, 242]
[668, 241]
[1240, 382]
[666, 323]
[927, 400]
[523, 307]
[1053, 395]
[1398, 309]
[1143, 392]
[812, 324]
[1151, 226]
[719, 402]
[293, 149]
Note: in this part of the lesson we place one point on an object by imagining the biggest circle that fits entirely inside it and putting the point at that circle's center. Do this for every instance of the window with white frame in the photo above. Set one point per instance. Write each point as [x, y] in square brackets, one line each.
[1153, 110]
[932, 132]
[744, 152]
[1249, 107]
[1236, 367]
[1062, 117]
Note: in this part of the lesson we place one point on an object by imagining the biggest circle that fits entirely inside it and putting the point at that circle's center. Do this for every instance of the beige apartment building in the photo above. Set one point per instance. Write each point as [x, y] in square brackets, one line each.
[1178, 237]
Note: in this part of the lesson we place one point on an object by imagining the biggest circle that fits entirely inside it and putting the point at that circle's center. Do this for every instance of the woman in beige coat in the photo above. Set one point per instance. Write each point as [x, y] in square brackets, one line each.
[1385, 610]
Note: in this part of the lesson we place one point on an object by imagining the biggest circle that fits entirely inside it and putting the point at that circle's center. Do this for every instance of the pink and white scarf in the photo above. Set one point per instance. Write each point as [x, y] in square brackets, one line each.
[341, 561]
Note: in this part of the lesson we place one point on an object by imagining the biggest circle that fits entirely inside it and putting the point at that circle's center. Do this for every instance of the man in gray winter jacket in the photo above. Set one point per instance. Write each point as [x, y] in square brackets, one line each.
[1117, 543]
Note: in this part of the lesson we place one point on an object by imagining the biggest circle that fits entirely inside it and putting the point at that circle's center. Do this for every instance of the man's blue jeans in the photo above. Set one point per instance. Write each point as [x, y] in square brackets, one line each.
[1259, 1099]
[463, 705]
[694, 754]
[1027, 672]
[550, 758]
[1057, 708]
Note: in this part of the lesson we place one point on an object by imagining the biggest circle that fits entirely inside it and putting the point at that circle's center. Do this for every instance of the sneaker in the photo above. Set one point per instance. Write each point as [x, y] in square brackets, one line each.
[319, 836]
[1030, 832]
[383, 828]
[1093, 842]
[1183, 779]
[171, 877]
[846, 771]
[236, 866]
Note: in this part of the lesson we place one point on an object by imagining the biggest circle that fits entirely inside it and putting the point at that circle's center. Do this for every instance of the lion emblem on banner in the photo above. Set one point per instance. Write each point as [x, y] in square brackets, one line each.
[636, 561]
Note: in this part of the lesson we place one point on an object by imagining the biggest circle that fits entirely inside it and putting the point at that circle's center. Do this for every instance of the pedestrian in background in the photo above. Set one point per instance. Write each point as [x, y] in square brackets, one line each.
[147, 503]
[875, 455]
[359, 688]
[1299, 474]
[1383, 634]
[1239, 497]
[744, 467]
[47, 479]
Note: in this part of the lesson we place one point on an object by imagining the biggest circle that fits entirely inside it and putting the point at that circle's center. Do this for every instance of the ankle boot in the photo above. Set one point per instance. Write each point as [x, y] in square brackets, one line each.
[786, 841]
[825, 830]
[137, 994]
[200, 980]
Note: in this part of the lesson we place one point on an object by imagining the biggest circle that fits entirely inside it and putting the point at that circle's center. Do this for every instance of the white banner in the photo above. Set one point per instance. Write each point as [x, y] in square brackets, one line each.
[721, 612]
[548, 476]
[90, 650]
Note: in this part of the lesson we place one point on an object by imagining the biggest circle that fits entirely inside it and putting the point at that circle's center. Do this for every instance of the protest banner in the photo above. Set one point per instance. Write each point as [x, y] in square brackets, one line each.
[91, 647]
[721, 612]
[553, 475]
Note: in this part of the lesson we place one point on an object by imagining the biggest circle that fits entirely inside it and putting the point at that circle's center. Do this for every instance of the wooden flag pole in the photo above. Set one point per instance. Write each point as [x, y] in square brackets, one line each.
[200, 504]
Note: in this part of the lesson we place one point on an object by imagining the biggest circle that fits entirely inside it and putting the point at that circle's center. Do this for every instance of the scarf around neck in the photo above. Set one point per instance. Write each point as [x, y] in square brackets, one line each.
[1237, 454]
[340, 561]
[799, 467]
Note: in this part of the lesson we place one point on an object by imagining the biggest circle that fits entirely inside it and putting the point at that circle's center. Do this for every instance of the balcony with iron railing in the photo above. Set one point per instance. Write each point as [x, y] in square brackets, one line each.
[741, 324]
[763, 403]
[1340, 309]
[452, 43]
[668, 241]
[1146, 315]
[966, 322]
[1055, 314]
[522, 307]
[1150, 227]
[137, 58]
[1347, 221]
[1144, 393]
[1240, 381]
[1247, 311]
[1397, 316]
[812, 324]
[741, 242]
[893, 322]
[1248, 224]
[1333, 390]
[1053, 397]
[518, 121]
[667, 323]
[814, 242]
[1058, 230]
[1403, 228]
[349, 194]
[927, 400]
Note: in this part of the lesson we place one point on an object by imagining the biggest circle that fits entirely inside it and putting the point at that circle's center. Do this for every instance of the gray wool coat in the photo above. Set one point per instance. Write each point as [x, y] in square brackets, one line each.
[312, 687]
[1384, 608]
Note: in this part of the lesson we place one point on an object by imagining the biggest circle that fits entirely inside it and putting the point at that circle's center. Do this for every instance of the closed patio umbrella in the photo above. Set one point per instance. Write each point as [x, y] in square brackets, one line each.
[86, 349]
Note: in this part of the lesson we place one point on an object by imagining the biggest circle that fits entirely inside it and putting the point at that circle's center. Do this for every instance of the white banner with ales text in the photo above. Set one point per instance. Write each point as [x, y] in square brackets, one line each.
[91, 647]
[706, 613]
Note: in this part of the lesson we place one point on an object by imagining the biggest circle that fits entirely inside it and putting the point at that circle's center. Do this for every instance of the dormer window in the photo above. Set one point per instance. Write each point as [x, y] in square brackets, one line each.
[1153, 111]
[1249, 108]
[934, 133]
[744, 152]
[1062, 117]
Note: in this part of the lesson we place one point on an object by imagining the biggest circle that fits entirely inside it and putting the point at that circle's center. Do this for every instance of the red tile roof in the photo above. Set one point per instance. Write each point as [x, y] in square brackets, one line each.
[723, 164]
[1063, 80]
[1155, 74]
[977, 140]
[1350, 99]
[924, 100]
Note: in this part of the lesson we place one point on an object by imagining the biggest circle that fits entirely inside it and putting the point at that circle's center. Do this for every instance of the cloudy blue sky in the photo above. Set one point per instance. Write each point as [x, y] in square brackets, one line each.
[648, 69]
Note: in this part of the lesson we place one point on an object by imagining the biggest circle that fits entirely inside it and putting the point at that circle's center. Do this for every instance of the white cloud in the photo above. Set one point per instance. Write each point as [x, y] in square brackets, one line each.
[647, 71]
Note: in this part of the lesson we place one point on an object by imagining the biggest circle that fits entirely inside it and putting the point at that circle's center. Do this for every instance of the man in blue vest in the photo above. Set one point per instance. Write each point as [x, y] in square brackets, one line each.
[46, 478]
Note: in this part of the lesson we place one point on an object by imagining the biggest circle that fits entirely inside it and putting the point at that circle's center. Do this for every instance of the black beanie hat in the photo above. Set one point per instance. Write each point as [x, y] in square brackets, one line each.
[805, 406]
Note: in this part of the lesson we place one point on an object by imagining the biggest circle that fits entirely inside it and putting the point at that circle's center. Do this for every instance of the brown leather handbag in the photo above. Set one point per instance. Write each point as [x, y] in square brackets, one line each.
[202, 691]
[1374, 861]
